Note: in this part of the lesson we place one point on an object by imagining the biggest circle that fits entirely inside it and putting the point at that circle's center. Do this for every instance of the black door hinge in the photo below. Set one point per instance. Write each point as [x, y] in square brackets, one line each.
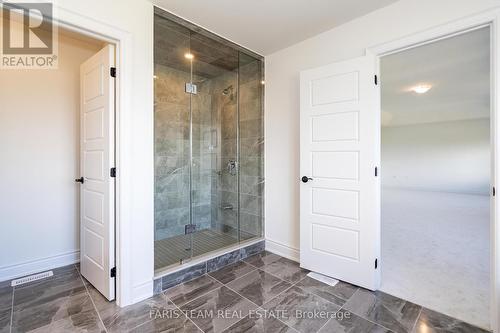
[112, 71]
[376, 171]
[376, 79]
[493, 191]
[112, 172]
[376, 263]
[113, 272]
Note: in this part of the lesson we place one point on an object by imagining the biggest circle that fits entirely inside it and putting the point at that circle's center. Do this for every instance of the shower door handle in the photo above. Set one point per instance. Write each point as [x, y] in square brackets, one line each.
[305, 179]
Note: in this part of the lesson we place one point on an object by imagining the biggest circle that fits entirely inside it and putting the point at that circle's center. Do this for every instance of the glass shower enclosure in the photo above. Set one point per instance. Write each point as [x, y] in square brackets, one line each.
[209, 142]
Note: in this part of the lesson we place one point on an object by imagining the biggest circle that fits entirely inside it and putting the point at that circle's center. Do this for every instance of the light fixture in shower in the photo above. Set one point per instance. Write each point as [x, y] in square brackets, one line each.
[189, 56]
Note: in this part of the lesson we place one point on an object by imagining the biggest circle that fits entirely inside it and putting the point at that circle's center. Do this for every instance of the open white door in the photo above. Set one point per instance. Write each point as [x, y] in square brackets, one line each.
[97, 158]
[339, 203]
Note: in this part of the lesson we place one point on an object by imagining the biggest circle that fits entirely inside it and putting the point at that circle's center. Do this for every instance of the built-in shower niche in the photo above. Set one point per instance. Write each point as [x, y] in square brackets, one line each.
[208, 143]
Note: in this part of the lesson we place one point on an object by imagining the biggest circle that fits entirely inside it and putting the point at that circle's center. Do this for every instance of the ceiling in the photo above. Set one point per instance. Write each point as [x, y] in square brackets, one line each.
[457, 68]
[267, 26]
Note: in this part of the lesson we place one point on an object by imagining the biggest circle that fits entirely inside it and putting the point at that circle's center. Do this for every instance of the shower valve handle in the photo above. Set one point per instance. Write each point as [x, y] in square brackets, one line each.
[305, 179]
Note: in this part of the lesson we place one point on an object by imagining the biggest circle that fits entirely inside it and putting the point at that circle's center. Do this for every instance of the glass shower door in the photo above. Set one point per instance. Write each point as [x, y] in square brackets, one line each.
[214, 165]
[209, 175]
[172, 143]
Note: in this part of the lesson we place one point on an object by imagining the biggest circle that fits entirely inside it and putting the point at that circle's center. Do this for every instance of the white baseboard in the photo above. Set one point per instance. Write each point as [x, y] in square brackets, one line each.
[39, 265]
[142, 292]
[283, 250]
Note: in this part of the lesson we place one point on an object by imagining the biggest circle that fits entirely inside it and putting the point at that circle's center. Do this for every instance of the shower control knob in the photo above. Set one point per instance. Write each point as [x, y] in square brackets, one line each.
[305, 179]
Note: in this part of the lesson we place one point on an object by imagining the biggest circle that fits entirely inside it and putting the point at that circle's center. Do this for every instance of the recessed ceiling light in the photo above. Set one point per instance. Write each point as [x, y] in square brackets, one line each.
[262, 82]
[189, 56]
[421, 88]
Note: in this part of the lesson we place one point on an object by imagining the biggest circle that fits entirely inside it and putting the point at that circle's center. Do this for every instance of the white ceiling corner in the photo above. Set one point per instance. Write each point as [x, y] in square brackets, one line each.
[268, 26]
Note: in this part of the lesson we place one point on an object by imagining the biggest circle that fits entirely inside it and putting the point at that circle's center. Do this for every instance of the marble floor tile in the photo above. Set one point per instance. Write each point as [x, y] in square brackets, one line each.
[431, 321]
[301, 310]
[48, 290]
[262, 259]
[286, 269]
[337, 294]
[5, 320]
[259, 286]
[42, 315]
[178, 325]
[117, 319]
[259, 325]
[388, 311]
[348, 322]
[86, 321]
[5, 295]
[187, 291]
[232, 272]
[217, 310]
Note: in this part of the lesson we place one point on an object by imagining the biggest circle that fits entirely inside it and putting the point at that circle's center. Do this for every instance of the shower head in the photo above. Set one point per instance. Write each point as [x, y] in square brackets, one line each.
[227, 91]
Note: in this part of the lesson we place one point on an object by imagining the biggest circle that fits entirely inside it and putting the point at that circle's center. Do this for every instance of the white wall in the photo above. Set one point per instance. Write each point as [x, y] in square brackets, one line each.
[130, 21]
[39, 148]
[445, 156]
[282, 95]
[135, 131]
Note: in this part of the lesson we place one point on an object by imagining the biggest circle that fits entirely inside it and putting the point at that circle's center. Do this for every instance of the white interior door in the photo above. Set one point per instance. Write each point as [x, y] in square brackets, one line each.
[339, 140]
[97, 157]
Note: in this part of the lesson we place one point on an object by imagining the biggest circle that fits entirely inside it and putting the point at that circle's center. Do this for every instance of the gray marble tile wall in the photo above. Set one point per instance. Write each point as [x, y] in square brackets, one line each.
[172, 137]
[224, 122]
[216, 202]
[251, 149]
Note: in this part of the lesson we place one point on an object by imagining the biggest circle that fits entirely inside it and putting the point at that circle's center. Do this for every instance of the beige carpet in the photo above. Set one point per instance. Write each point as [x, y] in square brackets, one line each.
[435, 251]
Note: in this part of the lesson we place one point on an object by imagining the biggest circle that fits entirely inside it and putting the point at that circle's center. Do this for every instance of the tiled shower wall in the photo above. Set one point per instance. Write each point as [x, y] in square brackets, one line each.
[251, 148]
[215, 130]
[172, 107]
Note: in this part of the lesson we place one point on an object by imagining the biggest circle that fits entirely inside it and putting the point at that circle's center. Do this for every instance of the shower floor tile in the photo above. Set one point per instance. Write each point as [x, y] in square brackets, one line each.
[170, 250]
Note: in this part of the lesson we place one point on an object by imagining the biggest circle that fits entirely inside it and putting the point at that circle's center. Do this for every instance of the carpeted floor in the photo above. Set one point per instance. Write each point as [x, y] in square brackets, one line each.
[435, 251]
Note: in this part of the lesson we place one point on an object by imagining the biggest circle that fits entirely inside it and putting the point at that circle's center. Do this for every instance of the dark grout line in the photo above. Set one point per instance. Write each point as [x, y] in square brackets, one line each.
[183, 313]
[12, 310]
[91, 299]
[418, 318]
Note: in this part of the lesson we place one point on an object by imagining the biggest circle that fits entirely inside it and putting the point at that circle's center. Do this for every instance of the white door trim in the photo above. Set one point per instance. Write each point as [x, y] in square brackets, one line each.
[488, 18]
[123, 127]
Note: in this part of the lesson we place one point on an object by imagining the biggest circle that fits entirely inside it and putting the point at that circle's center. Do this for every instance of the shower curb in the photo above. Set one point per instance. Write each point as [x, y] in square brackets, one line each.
[170, 280]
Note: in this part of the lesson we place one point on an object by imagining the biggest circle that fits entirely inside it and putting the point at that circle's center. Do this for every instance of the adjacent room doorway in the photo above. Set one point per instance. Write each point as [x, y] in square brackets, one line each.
[436, 175]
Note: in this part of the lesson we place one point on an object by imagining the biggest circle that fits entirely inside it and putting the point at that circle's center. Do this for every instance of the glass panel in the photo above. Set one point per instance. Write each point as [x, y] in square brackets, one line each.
[209, 155]
[172, 145]
[215, 172]
[251, 138]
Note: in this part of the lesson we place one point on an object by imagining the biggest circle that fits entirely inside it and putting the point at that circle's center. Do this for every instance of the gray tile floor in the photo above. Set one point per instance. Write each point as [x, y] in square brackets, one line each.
[263, 293]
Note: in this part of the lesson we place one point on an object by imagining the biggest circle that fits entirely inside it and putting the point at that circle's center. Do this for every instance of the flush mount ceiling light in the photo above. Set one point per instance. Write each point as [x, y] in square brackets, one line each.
[189, 56]
[421, 88]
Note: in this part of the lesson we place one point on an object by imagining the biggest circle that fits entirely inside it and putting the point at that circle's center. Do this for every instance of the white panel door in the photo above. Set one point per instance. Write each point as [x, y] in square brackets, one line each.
[339, 200]
[97, 157]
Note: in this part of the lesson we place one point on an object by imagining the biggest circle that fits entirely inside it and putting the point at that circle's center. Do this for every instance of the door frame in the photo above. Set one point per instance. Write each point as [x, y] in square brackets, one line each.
[489, 18]
[122, 40]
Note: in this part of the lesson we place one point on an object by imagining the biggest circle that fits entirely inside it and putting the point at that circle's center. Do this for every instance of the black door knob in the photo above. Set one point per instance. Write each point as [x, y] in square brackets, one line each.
[80, 180]
[305, 179]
